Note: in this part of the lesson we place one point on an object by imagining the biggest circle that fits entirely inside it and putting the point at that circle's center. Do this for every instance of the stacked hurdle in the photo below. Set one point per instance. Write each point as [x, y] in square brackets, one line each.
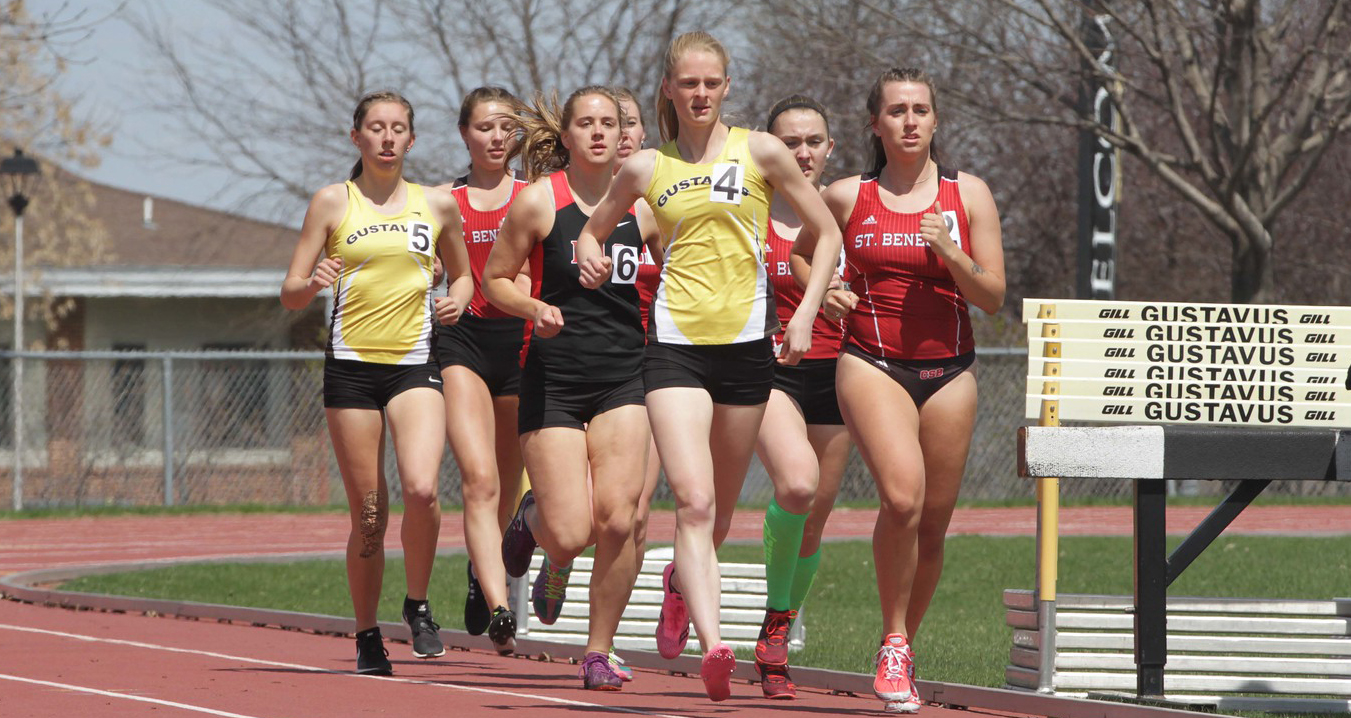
[743, 606]
[1242, 392]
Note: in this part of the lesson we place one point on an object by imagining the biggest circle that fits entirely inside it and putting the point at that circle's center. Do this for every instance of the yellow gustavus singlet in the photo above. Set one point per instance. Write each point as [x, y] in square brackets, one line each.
[382, 300]
[714, 219]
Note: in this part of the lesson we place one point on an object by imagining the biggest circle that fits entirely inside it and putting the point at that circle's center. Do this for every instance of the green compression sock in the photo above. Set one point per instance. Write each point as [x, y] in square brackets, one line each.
[803, 578]
[783, 540]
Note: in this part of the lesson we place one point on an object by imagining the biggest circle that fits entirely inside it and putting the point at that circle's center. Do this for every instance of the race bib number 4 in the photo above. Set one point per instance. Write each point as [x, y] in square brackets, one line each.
[420, 238]
[728, 180]
[625, 261]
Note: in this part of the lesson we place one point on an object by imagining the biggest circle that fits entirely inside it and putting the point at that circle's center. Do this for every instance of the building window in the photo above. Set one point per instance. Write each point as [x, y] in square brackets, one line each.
[231, 406]
[129, 397]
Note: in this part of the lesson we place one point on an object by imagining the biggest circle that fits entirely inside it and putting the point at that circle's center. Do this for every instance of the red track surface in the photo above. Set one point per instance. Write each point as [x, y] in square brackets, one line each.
[61, 662]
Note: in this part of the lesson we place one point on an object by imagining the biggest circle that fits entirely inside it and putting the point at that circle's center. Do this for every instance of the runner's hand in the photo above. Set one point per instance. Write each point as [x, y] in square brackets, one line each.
[933, 227]
[325, 273]
[448, 311]
[838, 303]
[797, 339]
[548, 321]
[595, 271]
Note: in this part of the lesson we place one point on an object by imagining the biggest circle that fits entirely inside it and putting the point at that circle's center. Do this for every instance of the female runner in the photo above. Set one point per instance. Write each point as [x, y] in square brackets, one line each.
[921, 241]
[378, 237]
[480, 364]
[582, 414]
[802, 443]
[709, 362]
[649, 275]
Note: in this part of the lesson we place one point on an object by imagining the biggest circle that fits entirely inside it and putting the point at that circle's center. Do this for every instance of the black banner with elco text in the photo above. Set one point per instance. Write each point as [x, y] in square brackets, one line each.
[1099, 163]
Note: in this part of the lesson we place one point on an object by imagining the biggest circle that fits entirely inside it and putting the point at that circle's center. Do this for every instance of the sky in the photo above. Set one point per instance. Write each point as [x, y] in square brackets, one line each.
[103, 76]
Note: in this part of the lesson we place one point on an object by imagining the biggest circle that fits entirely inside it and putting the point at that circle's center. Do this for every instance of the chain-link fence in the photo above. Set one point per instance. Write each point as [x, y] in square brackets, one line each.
[248, 428]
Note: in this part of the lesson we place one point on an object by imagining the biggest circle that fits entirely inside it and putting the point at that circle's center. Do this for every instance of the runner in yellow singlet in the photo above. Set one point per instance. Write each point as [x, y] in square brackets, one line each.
[373, 239]
[709, 362]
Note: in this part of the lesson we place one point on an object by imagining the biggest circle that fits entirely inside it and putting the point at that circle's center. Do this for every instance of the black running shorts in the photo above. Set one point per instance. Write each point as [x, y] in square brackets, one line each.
[549, 402]
[491, 348]
[811, 383]
[921, 378]
[735, 374]
[350, 384]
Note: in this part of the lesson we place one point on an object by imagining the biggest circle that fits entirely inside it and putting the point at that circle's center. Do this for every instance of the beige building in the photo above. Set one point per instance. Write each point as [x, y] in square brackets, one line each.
[169, 277]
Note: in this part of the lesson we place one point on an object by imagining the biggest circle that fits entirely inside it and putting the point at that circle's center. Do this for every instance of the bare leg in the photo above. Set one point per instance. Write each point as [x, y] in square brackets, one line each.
[507, 451]
[417, 427]
[651, 474]
[705, 450]
[617, 441]
[831, 444]
[358, 443]
[561, 520]
[471, 426]
[885, 424]
[784, 449]
[945, 424]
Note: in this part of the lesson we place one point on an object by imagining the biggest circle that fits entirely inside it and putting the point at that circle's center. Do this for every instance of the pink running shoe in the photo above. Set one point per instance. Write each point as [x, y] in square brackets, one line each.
[673, 624]
[716, 671]
[892, 683]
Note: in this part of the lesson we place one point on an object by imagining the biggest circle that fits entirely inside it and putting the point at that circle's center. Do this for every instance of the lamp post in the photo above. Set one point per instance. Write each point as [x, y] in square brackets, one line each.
[17, 174]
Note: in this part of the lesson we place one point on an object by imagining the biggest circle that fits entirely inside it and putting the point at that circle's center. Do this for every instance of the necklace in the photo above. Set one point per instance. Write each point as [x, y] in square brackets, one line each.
[922, 179]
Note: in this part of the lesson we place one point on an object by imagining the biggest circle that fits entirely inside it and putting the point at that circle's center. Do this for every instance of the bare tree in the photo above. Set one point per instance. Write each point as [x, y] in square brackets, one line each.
[1231, 104]
[275, 116]
[36, 117]
[833, 50]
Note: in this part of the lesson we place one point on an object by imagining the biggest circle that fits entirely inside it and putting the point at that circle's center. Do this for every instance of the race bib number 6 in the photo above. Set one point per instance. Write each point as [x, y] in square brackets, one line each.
[625, 261]
[728, 180]
[420, 238]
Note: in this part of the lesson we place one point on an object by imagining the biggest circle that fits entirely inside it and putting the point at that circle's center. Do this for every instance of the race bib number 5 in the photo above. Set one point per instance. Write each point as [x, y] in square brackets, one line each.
[728, 180]
[625, 261]
[420, 238]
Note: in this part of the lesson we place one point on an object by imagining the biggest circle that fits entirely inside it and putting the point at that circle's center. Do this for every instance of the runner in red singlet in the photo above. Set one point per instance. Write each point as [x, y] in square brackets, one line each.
[480, 364]
[921, 241]
[634, 138]
[802, 442]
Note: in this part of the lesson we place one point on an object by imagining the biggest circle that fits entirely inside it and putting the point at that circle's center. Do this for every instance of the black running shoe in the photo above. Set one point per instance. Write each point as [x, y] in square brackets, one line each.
[476, 613]
[518, 544]
[426, 640]
[372, 658]
[502, 630]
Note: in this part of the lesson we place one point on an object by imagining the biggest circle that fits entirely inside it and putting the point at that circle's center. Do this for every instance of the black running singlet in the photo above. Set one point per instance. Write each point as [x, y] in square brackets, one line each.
[602, 335]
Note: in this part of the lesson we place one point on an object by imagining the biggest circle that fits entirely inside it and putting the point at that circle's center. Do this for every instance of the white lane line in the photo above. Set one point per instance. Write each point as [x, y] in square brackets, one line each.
[109, 694]
[315, 669]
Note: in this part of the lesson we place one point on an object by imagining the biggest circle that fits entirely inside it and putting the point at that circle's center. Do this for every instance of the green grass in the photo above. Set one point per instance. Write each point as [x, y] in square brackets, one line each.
[1071, 501]
[963, 640]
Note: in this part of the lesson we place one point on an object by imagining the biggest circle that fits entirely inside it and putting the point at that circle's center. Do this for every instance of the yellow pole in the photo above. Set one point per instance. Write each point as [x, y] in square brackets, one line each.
[1048, 513]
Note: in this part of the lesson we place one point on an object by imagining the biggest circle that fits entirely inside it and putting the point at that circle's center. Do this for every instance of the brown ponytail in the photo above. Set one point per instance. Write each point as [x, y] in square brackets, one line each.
[542, 126]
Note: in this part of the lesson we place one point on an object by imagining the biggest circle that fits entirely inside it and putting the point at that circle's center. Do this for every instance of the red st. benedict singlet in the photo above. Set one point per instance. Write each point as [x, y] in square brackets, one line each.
[649, 276]
[827, 336]
[909, 307]
[480, 232]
